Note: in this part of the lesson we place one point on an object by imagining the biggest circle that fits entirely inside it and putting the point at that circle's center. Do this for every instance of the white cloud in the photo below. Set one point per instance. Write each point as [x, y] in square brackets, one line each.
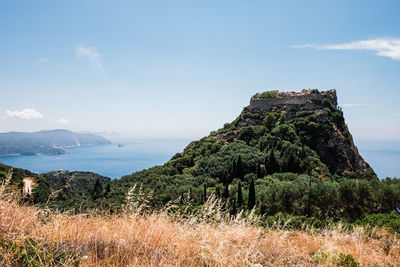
[42, 60]
[90, 52]
[385, 47]
[62, 121]
[25, 114]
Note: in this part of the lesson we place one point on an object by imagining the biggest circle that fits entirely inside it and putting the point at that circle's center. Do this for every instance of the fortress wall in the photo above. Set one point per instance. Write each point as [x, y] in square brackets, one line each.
[293, 100]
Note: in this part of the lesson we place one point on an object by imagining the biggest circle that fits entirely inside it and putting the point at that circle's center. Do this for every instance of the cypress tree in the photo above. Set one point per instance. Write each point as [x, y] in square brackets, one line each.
[226, 192]
[271, 164]
[240, 195]
[97, 191]
[234, 172]
[292, 164]
[239, 167]
[217, 192]
[108, 189]
[205, 193]
[252, 195]
[233, 206]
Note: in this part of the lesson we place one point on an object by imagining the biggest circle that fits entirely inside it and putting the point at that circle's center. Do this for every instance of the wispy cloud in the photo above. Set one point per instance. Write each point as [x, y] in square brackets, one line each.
[41, 60]
[62, 121]
[357, 105]
[90, 52]
[25, 114]
[385, 47]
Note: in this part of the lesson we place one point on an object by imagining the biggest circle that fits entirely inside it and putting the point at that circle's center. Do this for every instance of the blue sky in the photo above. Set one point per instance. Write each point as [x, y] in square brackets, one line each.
[180, 69]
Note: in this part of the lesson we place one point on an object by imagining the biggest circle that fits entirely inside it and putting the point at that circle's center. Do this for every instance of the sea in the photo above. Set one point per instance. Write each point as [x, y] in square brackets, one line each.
[113, 160]
[122, 158]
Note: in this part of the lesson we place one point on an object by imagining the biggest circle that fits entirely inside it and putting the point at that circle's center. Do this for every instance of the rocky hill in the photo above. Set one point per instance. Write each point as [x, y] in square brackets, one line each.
[304, 131]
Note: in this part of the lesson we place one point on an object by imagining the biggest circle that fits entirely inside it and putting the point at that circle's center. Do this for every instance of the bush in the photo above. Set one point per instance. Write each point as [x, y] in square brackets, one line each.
[25, 251]
[267, 95]
[389, 221]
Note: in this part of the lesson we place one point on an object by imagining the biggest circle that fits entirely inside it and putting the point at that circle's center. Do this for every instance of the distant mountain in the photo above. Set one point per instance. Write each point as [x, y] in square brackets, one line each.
[45, 142]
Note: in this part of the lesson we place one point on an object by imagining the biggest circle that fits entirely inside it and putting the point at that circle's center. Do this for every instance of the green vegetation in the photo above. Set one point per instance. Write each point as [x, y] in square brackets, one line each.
[26, 251]
[267, 95]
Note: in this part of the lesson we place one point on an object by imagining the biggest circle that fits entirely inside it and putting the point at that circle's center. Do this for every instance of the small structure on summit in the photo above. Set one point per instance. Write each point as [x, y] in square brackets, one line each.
[290, 100]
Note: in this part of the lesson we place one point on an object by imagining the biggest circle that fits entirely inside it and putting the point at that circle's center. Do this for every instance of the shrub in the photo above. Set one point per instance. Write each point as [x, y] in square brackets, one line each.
[267, 95]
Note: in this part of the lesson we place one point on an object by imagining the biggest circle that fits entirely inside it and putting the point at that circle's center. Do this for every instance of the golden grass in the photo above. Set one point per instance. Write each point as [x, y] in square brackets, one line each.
[159, 239]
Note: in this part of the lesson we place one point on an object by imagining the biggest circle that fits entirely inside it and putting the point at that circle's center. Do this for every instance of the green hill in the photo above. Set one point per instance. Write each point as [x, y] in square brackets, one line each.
[45, 142]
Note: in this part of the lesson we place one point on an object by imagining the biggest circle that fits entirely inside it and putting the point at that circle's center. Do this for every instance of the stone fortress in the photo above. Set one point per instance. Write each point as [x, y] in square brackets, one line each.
[291, 100]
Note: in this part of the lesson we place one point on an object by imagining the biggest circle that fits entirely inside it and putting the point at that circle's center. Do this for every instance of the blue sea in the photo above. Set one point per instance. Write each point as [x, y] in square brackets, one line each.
[382, 156]
[115, 161]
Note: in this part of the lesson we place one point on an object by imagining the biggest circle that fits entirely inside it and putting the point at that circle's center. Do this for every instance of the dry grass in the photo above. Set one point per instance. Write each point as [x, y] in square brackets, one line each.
[159, 239]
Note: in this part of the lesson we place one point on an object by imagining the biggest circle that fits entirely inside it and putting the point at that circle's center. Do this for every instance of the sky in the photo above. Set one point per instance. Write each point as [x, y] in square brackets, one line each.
[180, 69]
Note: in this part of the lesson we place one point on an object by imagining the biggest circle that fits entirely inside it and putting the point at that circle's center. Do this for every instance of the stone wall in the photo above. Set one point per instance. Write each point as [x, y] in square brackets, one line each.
[291, 99]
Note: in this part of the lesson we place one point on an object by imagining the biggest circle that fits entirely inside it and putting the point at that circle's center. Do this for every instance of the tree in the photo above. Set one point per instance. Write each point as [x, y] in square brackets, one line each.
[41, 191]
[217, 192]
[108, 189]
[271, 164]
[269, 120]
[259, 171]
[97, 190]
[205, 193]
[233, 206]
[282, 118]
[226, 192]
[252, 195]
[234, 172]
[239, 167]
[240, 195]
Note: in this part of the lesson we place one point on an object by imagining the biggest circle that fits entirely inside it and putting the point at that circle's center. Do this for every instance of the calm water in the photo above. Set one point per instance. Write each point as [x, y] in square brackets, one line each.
[114, 161]
[108, 160]
[385, 163]
[383, 156]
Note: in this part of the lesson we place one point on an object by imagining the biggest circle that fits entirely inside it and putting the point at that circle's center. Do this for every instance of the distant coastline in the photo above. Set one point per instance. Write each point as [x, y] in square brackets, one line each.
[51, 142]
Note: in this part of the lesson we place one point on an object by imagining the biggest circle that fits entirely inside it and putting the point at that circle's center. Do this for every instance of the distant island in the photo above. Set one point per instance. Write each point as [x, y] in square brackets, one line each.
[45, 142]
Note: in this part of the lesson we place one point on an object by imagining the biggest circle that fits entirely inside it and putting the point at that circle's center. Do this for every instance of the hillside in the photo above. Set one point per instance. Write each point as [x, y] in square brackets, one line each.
[45, 142]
